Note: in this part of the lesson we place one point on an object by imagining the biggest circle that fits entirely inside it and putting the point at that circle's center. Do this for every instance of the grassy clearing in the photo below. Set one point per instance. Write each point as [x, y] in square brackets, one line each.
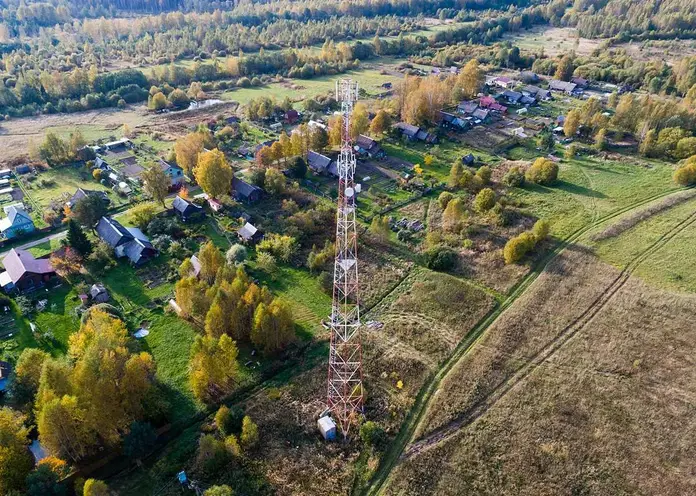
[301, 89]
[669, 268]
[589, 187]
[588, 406]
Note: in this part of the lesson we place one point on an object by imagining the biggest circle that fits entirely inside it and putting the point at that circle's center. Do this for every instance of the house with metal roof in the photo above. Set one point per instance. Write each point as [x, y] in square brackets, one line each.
[317, 162]
[249, 233]
[98, 293]
[366, 146]
[467, 108]
[16, 224]
[186, 209]
[408, 130]
[511, 97]
[244, 191]
[128, 242]
[82, 193]
[564, 87]
[24, 272]
[173, 172]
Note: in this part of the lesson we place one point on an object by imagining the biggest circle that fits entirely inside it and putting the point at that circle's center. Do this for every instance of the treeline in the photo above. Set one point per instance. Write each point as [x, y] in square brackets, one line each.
[626, 19]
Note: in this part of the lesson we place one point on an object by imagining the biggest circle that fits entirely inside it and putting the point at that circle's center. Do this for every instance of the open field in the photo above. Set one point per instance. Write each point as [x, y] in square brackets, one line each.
[17, 134]
[671, 269]
[552, 40]
[577, 425]
[369, 77]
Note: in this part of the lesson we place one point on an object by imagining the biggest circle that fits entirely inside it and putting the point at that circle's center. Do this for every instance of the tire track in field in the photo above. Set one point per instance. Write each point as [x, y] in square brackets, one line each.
[548, 351]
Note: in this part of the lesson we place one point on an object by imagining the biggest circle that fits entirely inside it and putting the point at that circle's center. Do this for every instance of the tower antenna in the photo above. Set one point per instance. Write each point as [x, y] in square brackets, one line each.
[345, 393]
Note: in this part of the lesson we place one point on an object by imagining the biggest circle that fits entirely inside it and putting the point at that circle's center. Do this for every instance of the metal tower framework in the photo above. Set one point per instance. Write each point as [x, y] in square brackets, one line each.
[345, 394]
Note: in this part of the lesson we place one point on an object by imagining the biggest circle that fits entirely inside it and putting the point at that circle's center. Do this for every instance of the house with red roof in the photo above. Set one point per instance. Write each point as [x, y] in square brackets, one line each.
[23, 272]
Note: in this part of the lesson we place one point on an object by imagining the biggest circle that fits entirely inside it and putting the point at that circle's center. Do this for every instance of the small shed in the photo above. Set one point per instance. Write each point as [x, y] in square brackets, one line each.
[249, 233]
[98, 293]
[468, 159]
[327, 427]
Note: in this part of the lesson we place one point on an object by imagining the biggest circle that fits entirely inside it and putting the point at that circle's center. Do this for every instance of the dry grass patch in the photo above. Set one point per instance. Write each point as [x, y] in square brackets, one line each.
[610, 414]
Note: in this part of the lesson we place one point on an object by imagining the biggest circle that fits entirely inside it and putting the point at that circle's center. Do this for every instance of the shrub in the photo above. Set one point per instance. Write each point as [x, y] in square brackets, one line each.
[237, 253]
[686, 174]
[485, 174]
[514, 178]
[541, 229]
[372, 434]
[441, 258]
[444, 199]
[517, 247]
[212, 454]
[542, 171]
[484, 200]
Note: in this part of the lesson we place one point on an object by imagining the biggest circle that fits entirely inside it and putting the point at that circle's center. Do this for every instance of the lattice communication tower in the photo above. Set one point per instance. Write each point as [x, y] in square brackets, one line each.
[345, 393]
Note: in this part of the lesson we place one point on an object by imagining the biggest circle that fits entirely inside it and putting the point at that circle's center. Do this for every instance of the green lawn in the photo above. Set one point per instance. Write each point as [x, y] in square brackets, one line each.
[670, 267]
[588, 188]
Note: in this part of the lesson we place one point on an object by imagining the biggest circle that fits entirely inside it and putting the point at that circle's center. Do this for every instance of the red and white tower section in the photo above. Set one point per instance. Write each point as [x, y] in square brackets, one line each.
[345, 392]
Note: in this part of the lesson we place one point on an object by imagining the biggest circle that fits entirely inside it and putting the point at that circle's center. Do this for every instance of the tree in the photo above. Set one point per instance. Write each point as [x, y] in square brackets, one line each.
[470, 79]
[542, 171]
[28, 374]
[156, 183]
[274, 182]
[648, 147]
[359, 120]
[380, 123]
[570, 152]
[484, 173]
[157, 101]
[686, 147]
[178, 99]
[54, 150]
[572, 123]
[15, 459]
[62, 429]
[541, 230]
[565, 68]
[455, 176]
[224, 490]
[441, 258]
[143, 214]
[298, 168]
[250, 433]
[517, 247]
[453, 215]
[601, 140]
[78, 240]
[266, 262]
[212, 454]
[273, 327]
[484, 200]
[94, 487]
[335, 130]
[319, 139]
[88, 210]
[66, 262]
[372, 434]
[379, 228]
[213, 173]
[236, 254]
[188, 148]
[544, 140]
[444, 198]
[214, 367]
[212, 260]
[514, 178]
[45, 480]
[686, 174]
[139, 440]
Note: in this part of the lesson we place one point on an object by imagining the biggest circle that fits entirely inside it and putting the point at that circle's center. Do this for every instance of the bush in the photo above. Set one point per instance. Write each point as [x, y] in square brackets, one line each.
[237, 253]
[373, 435]
[102, 307]
[517, 247]
[25, 306]
[541, 229]
[485, 174]
[484, 200]
[212, 454]
[441, 258]
[686, 174]
[444, 199]
[542, 171]
[514, 178]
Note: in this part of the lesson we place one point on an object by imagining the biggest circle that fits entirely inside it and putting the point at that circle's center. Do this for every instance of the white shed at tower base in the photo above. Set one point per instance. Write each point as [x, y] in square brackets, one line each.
[327, 427]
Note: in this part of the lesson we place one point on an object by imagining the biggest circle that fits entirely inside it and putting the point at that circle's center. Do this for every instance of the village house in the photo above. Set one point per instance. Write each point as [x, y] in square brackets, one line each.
[186, 209]
[82, 193]
[581, 83]
[292, 116]
[244, 191]
[317, 162]
[16, 224]
[536, 92]
[23, 272]
[366, 146]
[467, 108]
[511, 97]
[451, 121]
[564, 87]
[488, 102]
[173, 172]
[504, 82]
[128, 242]
[415, 133]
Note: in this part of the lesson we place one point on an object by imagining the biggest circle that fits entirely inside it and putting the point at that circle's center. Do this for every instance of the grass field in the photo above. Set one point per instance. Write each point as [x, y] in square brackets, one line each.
[577, 424]
[369, 79]
[671, 269]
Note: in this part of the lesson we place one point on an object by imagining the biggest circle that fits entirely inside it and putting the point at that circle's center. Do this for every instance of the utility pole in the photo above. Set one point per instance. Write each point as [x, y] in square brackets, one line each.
[345, 393]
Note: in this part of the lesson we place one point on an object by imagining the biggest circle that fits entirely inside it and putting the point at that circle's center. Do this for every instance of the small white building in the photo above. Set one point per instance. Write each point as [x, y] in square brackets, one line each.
[327, 427]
